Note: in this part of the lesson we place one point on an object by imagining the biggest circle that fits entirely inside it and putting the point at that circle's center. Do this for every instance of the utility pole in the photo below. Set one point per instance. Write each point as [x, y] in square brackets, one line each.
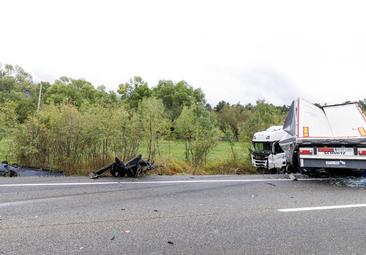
[39, 96]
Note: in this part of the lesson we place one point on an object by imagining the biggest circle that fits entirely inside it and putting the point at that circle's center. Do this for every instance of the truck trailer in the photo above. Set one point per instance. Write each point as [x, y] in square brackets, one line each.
[327, 138]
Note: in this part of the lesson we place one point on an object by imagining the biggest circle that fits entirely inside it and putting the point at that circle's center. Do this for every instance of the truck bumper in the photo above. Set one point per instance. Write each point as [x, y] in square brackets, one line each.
[263, 163]
[333, 163]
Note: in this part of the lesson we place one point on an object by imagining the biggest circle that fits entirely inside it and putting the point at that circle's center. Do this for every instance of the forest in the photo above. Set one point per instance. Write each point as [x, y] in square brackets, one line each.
[74, 126]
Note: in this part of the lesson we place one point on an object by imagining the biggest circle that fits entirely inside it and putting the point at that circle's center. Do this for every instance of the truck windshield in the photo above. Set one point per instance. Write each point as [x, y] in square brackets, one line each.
[262, 147]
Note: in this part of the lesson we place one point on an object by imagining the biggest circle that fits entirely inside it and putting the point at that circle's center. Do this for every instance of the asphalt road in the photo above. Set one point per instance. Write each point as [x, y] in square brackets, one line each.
[180, 215]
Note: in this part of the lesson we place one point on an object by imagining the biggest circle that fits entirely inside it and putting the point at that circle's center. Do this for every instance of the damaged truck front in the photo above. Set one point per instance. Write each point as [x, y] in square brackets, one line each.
[328, 138]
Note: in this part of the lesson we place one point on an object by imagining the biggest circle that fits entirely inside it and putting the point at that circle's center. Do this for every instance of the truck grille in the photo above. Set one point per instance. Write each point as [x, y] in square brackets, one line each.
[260, 163]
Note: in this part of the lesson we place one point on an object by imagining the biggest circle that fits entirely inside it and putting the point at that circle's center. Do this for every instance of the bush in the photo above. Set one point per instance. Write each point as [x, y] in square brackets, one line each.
[263, 116]
[76, 142]
[198, 129]
[154, 124]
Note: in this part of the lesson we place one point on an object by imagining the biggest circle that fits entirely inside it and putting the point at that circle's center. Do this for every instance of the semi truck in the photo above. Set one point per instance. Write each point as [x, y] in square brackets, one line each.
[267, 154]
[315, 138]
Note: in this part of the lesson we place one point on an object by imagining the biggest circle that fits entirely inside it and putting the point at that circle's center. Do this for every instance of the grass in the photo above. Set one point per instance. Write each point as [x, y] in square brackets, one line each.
[176, 149]
[171, 159]
[220, 160]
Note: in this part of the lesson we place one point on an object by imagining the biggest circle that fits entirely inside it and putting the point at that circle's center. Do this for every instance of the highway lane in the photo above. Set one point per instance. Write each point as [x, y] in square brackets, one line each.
[180, 215]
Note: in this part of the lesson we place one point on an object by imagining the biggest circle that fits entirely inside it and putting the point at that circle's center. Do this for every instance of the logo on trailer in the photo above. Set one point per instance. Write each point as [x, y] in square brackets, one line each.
[335, 163]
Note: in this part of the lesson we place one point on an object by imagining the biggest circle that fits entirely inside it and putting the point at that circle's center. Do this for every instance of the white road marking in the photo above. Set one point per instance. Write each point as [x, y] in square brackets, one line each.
[31, 201]
[57, 184]
[315, 208]
[151, 182]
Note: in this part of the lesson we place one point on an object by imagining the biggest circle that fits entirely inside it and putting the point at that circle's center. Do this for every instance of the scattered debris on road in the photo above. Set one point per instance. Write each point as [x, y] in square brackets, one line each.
[272, 184]
[292, 177]
[133, 168]
[351, 182]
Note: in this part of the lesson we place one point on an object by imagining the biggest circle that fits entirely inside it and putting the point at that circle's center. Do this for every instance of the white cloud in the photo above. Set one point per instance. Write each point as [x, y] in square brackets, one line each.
[234, 50]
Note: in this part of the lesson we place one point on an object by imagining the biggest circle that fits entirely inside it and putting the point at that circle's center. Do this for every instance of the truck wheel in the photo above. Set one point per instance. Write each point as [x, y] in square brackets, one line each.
[282, 170]
[288, 169]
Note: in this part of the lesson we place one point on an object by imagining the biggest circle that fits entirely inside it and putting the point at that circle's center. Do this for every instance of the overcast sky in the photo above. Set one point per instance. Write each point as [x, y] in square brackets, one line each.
[238, 51]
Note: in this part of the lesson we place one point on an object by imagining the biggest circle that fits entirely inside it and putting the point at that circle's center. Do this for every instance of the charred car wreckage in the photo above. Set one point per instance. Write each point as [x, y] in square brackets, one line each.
[133, 168]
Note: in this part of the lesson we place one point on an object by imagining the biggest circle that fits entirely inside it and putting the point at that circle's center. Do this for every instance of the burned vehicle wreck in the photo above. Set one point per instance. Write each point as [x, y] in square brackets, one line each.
[133, 168]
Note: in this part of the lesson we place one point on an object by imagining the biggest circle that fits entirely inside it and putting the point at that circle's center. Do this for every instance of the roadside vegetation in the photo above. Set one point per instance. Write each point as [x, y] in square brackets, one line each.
[78, 127]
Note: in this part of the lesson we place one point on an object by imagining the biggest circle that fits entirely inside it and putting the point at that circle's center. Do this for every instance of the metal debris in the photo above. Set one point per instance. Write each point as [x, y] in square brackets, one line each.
[351, 182]
[133, 168]
[292, 177]
[270, 183]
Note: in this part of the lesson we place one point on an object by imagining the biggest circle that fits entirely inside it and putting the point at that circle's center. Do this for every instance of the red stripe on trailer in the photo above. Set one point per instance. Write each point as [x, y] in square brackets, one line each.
[326, 149]
[362, 153]
[306, 151]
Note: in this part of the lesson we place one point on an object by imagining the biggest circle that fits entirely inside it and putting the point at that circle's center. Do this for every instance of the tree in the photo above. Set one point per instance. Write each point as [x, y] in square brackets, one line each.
[16, 86]
[362, 104]
[232, 117]
[134, 91]
[8, 119]
[220, 106]
[71, 91]
[154, 124]
[198, 129]
[230, 120]
[177, 95]
[263, 116]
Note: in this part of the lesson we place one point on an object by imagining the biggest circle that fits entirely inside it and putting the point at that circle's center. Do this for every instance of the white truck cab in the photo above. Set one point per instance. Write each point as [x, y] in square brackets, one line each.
[266, 153]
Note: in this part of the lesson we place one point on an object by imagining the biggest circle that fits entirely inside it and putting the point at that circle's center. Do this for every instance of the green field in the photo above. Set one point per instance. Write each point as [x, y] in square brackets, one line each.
[176, 150]
[168, 150]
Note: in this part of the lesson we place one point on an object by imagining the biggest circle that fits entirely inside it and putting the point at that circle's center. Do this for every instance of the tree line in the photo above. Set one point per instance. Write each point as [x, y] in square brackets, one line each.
[81, 126]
